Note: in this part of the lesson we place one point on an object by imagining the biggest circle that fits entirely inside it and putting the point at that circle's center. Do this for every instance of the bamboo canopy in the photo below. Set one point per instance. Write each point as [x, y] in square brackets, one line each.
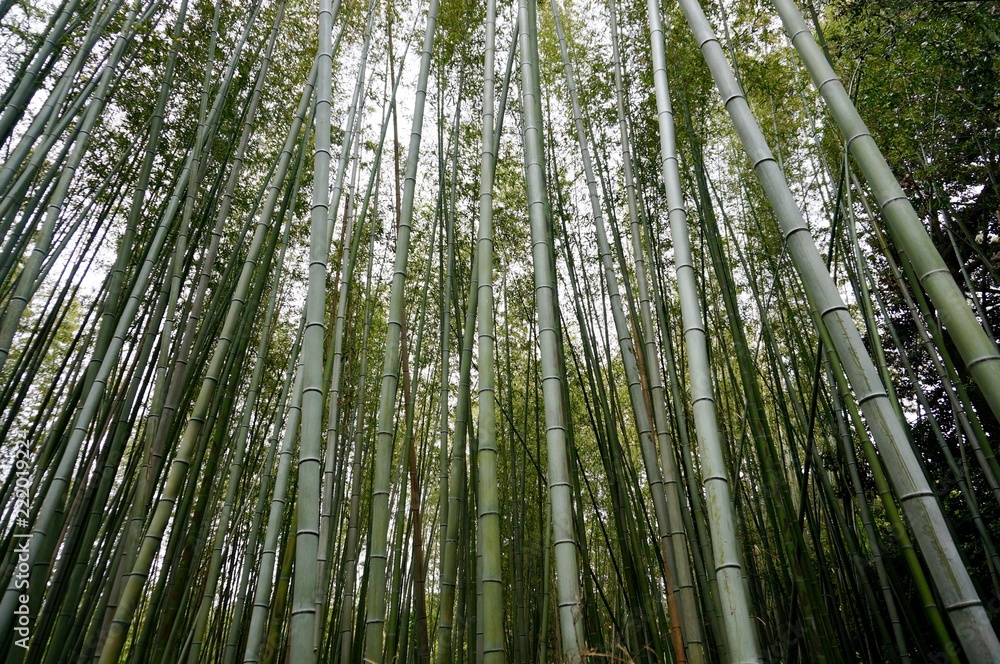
[667, 334]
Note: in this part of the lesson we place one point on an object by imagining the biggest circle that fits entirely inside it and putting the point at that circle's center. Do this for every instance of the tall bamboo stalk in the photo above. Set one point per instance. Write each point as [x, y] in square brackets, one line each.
[973, 342]
[560, 495]
[961, 600]
[375, 601]
[740, 632]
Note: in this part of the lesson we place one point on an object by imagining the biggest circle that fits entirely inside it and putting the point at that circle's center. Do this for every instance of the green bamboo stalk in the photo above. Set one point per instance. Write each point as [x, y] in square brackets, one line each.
[15, 106]
[892, 512]
[444, 491]
[236, 464]
[780, 508]
[488, 499]
[688, 608]
[302, 629]
[457, 487]
[179, 466]
[233, 640]
[847, 446]
[960, 598]
[560, 489]
[27, 282]
[176, 374]
[974, 345]
[375, 610]
[740, 631]
[351, 547]
[265, 573]
[352, 143]
[602, 430]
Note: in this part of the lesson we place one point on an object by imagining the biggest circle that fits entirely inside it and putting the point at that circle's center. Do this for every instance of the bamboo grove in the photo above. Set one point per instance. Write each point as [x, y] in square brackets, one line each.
[477, 331]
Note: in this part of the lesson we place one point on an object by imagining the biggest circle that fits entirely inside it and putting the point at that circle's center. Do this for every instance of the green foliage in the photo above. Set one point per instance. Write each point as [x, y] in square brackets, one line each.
[923, 77]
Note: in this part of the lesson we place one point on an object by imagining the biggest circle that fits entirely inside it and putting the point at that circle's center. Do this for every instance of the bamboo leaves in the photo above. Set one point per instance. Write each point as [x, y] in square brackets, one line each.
[176, 205]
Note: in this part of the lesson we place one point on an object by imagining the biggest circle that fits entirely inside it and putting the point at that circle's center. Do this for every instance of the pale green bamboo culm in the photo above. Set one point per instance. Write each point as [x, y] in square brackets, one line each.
[626, 346]
[959, 597]
[236, 466]
[980, 353]
[681, 568]
[741, 632]
[378, 541]
[27, 283]
[488, 500]
[182, 460]
[302, 627]
[268, 554]
[457, 457]
[350, 146]
[353, 238]
[560, 489]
